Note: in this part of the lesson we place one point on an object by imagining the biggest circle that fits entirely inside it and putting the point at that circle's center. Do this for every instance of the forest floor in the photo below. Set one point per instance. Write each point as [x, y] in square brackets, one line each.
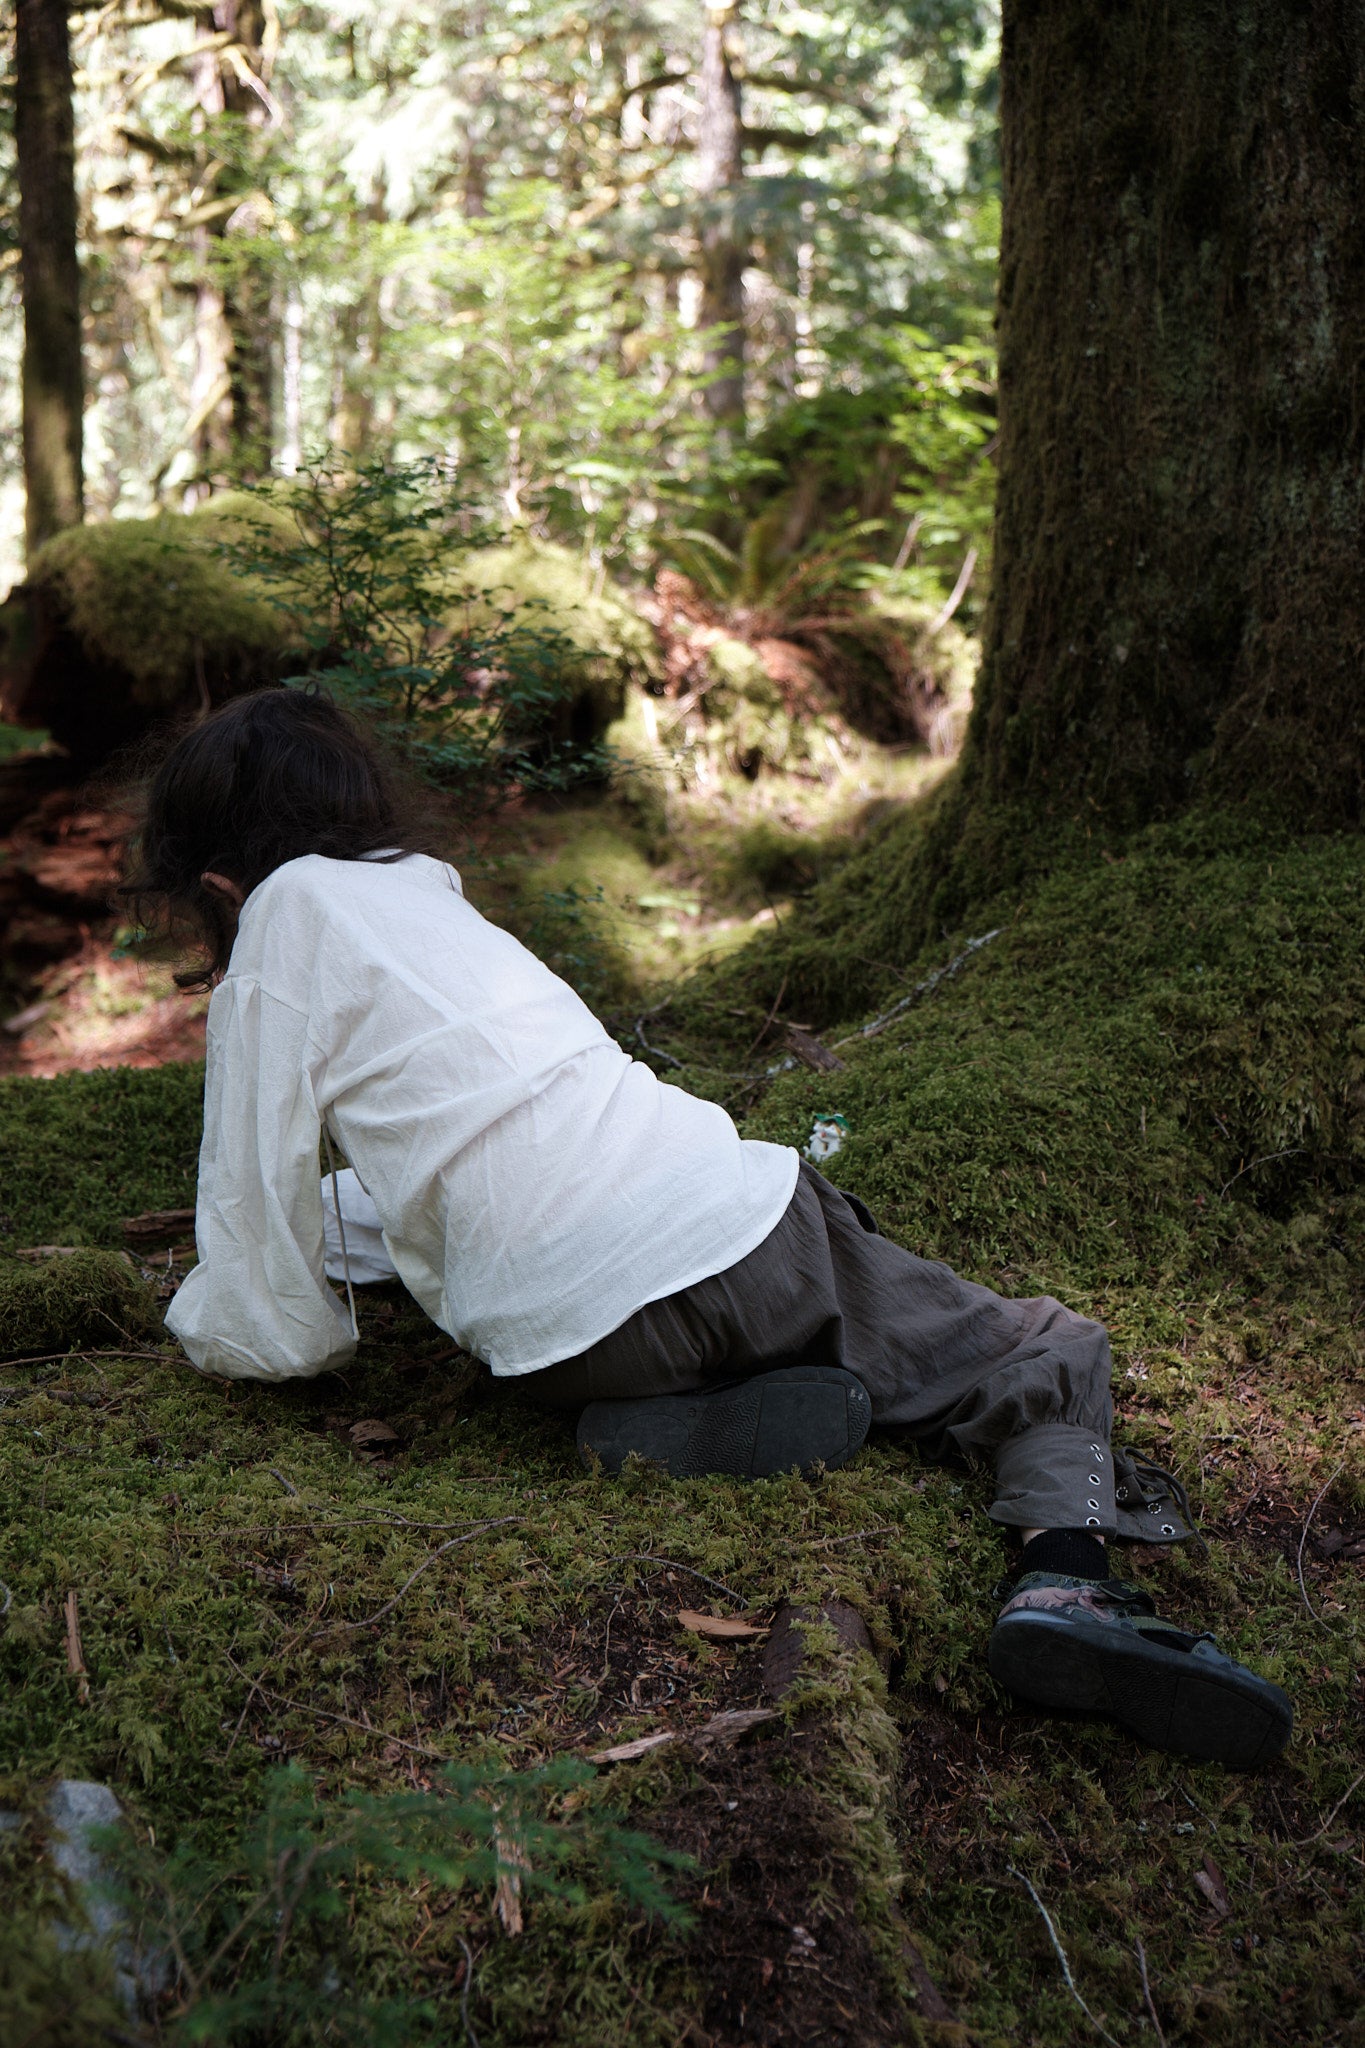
[1144, 1094]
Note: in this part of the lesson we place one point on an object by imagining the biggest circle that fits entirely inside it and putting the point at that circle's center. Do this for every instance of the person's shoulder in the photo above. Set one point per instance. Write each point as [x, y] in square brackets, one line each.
[317, 882]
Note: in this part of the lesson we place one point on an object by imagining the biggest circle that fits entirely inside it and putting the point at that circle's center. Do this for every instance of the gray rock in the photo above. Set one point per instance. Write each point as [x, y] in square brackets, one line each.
[77, 1809]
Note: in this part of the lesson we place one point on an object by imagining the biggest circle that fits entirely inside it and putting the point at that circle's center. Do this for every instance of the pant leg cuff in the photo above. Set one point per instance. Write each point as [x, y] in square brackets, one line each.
[1057, 1476]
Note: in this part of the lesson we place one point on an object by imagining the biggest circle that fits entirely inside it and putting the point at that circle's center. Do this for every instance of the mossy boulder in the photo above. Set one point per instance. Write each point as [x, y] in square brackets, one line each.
[73, 1299]
[126, 621]
[607, 645]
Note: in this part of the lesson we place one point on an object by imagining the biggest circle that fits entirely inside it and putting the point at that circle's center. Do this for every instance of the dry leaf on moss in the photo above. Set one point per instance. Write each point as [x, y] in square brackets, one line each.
[1210, 1883]
[721, 1626]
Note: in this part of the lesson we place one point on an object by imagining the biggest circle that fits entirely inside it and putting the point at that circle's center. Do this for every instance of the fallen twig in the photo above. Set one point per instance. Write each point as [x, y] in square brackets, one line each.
[921, 988]
[282, 1699]
[75, 1655]
[60, 1357]
[726, 1727]
[1060, 1953]
[465, 1989]
[9, 1599]
[656, 1052]
[766, 1026]
[340, 1627]
[1269, 1160]
[287, 1484]
[343, 1522]
[1308, 1840]
[959, 591]
[1303, 1538]
[1147, 1991]
[645, 1557]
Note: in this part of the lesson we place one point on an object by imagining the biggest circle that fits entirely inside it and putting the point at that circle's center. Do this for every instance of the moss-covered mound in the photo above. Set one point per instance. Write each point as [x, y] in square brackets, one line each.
[129, 619]
[609, 645]
[71, 1299]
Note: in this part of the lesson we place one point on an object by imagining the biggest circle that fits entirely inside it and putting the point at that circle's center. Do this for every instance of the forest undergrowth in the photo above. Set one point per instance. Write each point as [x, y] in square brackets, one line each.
[1144, 1093]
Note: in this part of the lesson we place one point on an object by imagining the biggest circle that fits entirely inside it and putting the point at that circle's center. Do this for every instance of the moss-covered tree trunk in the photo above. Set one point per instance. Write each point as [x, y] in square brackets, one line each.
[1180, 566]
[53, 380]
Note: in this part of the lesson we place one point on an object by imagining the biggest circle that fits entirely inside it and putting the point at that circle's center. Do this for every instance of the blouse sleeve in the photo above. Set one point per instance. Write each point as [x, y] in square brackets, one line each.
[257, 1305]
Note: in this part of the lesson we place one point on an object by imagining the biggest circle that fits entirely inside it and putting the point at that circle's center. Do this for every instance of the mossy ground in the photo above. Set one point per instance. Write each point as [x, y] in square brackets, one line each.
[1145, 1095]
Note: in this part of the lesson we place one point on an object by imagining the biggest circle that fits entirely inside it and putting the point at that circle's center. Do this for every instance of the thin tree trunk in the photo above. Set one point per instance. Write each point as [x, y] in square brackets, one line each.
[235, 305]
[719, 181]
[248, 294]
[1179, 610]
[53, 378]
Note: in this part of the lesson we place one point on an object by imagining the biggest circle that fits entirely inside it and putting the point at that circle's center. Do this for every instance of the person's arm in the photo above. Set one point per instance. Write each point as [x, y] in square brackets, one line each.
[257, 1305]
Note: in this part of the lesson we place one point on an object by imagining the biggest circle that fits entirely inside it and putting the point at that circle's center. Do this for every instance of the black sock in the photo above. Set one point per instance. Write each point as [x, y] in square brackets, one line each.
[1073, 1553]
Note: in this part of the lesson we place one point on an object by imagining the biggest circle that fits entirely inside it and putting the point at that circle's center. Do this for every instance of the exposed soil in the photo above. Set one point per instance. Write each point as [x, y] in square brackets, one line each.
[780, 1956]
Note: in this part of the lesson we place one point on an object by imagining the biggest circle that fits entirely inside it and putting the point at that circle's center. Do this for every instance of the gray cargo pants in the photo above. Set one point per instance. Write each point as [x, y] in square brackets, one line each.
[1024, 1383]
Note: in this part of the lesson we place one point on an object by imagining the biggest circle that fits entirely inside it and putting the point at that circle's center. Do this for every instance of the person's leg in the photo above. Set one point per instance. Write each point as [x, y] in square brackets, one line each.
[683, 1384]
[961, 1369]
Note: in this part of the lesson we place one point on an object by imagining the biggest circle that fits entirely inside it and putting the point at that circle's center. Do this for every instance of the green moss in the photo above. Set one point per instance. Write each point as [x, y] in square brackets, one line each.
[152, 597]
[85, 1151]
[74, 1298]
[1145, 1094]
[1156, 1065]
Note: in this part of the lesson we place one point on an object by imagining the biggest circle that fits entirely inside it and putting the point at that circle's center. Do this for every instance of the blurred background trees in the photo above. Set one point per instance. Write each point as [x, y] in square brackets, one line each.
[626, 266]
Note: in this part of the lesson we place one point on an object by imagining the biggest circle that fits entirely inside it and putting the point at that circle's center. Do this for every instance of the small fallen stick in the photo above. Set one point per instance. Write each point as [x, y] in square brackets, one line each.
[1060, 1953]
[340, 1627]
[672, 1564]
[1303, 1538]
[282, 1699]
[1308, 1840]
[75, 1657]
[60, 1357]
[1147, 1992]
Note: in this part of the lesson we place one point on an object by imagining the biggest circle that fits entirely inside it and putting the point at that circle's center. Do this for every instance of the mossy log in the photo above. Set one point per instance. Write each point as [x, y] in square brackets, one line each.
[1178, 604]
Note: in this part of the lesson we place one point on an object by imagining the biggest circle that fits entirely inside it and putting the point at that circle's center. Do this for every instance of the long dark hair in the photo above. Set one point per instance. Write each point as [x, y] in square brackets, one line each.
[270, 776]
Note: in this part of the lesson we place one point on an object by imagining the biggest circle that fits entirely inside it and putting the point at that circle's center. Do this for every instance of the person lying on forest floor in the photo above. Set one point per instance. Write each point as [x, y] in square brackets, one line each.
[707, 1302]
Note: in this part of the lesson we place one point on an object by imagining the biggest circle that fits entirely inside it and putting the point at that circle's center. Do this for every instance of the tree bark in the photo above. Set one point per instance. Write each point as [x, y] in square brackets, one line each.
[50, 278]
[248, 291]
[1179, 608]
[719, 179]
[234, 373]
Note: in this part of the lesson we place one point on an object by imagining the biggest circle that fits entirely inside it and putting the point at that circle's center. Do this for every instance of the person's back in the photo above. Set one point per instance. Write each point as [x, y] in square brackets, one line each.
[535, 1184]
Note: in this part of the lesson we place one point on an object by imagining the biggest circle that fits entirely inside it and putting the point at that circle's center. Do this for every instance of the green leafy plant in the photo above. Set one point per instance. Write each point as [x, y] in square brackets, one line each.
[256, 1938]
[364, 562]
[765, 590]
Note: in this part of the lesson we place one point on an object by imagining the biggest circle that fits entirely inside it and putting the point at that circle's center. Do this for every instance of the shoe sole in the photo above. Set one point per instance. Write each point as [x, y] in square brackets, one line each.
[783, 1421]
[1169, 1699]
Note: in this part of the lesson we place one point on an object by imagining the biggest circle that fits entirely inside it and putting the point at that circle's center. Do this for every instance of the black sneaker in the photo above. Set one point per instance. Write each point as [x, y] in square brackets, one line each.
[793, 1419]
[1099, 1644]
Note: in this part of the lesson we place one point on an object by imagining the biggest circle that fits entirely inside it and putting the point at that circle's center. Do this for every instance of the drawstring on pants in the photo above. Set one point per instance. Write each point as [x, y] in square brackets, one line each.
[341, 1227]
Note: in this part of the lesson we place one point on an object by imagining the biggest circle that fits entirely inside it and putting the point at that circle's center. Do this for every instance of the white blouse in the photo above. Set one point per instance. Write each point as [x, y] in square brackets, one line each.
[534, 1184]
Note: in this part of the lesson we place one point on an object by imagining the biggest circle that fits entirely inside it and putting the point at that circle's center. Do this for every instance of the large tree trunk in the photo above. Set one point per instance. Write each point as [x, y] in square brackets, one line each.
[719, 178]
[53, 382]
[1180, 607]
